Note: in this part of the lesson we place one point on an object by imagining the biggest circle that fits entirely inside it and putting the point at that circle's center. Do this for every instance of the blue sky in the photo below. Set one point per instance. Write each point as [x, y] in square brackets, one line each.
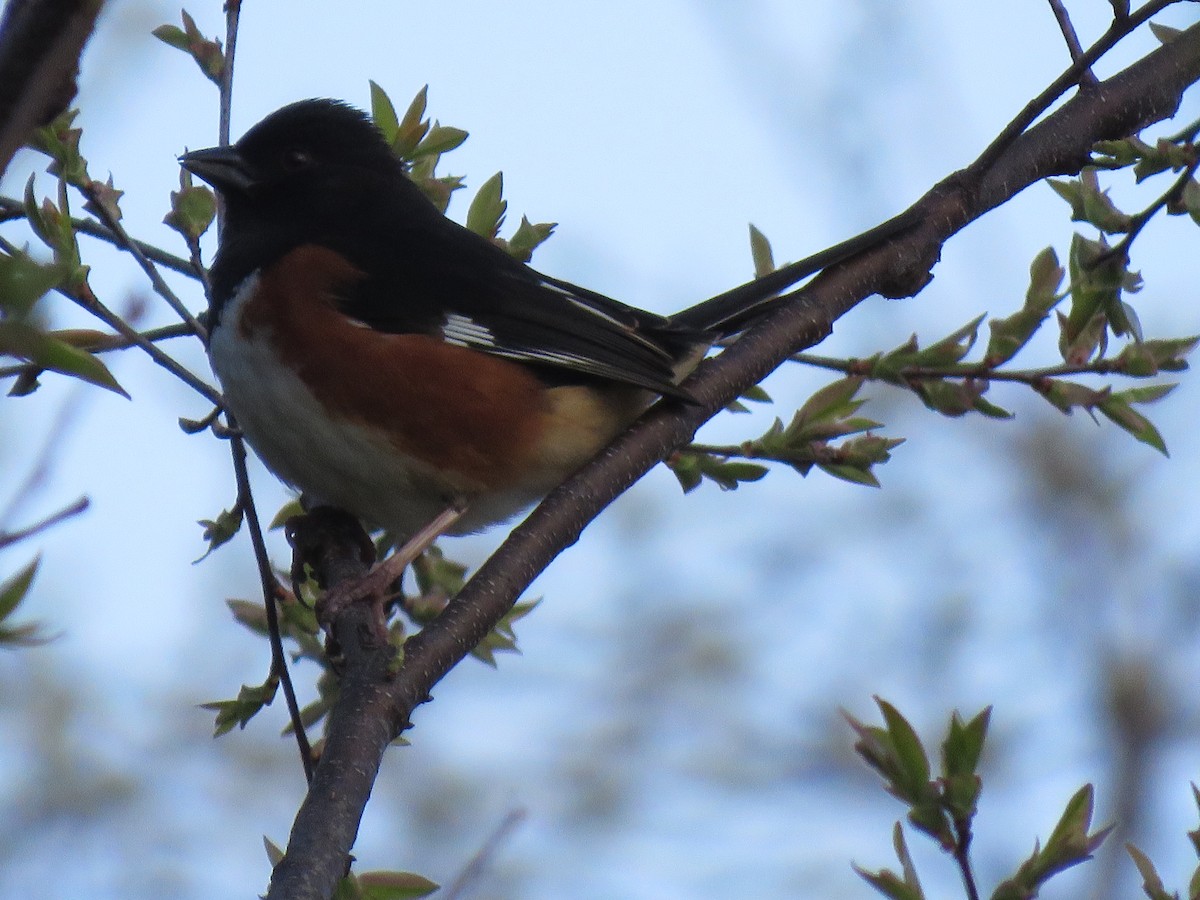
[671, 727]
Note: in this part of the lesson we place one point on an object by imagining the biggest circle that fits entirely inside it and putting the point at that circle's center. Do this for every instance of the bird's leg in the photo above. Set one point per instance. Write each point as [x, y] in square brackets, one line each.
[378, 585]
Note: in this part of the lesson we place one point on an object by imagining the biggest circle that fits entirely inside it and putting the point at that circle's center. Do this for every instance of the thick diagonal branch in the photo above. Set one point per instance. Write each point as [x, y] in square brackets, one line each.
[40, 44]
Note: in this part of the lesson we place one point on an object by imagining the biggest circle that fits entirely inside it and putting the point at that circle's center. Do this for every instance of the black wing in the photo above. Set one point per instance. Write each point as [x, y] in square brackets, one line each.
[439, 278]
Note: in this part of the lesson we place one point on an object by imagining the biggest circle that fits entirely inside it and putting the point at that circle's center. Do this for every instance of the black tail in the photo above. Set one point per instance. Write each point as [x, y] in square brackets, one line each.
[734, 311]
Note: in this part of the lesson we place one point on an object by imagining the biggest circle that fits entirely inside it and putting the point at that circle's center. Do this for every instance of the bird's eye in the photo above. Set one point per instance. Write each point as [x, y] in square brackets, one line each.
[296, 158]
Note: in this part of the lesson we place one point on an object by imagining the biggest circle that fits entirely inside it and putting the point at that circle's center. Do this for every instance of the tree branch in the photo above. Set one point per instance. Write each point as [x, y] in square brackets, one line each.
[373, 706]
[1087, 77]
[11, 209]
[7, 538]
[40, 45]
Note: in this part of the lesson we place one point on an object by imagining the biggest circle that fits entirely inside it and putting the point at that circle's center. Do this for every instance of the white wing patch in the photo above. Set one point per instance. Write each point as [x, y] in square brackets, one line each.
[463, 331]
[579, 303]
[570, 360]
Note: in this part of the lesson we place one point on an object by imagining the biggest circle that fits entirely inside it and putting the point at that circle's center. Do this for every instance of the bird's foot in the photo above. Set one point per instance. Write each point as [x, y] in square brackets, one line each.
[378, 586]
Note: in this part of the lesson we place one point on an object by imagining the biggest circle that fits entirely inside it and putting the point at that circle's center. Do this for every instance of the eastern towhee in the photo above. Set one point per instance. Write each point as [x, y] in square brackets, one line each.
[385, 360]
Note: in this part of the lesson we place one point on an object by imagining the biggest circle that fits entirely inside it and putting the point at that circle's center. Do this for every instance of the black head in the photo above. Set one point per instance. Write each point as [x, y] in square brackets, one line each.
[317, 171]
[308, 139]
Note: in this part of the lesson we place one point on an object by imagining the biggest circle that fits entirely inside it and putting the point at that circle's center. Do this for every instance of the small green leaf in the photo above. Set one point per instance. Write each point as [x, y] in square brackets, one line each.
[1067, 395]
[1091, 204]
[193, 208]
[13, 591]
[909, 751]
[394, 886]
[486, 214]
[829, 402]
[851, 474]
[1070, 838]
[1151, 883]
[960, 759]
[1118, 410]
[1148, 393]
[1009, 335]
[238, 712]
[889, 884]
[171, 35]
[26, 342]
[252, 615]
[383, 113]
[206, 54]
[964, 744]
[1189, 200]
[435, 573]
[1072, 192]
[60, 142]
[440, 139]
[1116, 154]
[1145, 358]
[950, 398]
[1077, 349]
[1089, 293]
[527, 238]
[289, 510]
[1099, 209]
[103, 200]
[23, 282]
[897, 887]
[906, 863]
[502, 638]
[950, 349]
[1069, 845]
[686, 469]
[33, 214]
[221, 530]
[412, 127]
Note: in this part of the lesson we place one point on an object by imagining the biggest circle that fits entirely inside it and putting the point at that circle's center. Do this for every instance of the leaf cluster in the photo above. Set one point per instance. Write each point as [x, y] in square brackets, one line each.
[420, 144]
[944, 807]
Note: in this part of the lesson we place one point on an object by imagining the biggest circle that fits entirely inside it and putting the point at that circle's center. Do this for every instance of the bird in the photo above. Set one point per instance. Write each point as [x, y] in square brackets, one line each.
[385, 360]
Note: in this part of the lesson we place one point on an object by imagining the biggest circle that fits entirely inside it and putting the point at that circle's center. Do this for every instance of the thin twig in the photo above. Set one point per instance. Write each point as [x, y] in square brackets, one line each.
[105, 344]
[483, 856]
[156, 280]
[7, 538]
[817, 453]
[962, 856]
[237, 445]
[1087, 77]
[1120, 250]
[279, 668]
[1187, 134]
[980, 371]
[233, 12]
[1120, 28]
[193, 245]
[11, 209]
[92, 304]
[52, 446]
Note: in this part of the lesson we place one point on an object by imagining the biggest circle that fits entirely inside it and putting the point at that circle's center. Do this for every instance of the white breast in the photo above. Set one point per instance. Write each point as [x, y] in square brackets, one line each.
[337, 462]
